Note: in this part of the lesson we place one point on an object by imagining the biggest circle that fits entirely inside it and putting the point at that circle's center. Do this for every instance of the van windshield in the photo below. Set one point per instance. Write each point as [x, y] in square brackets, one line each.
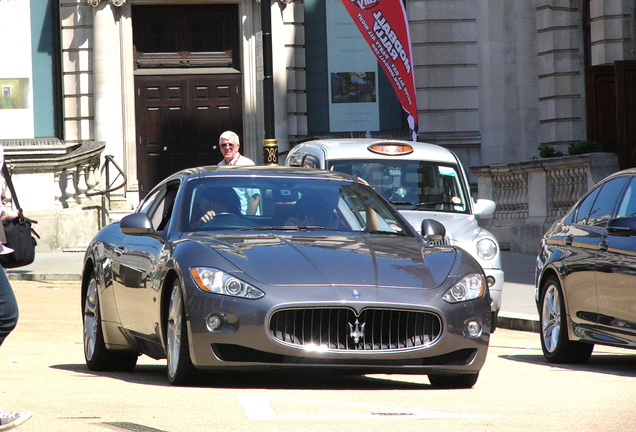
[410, 184]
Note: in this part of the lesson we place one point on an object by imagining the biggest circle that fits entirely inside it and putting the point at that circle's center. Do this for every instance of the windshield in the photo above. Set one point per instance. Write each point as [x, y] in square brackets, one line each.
[410, 184]
[268, 203]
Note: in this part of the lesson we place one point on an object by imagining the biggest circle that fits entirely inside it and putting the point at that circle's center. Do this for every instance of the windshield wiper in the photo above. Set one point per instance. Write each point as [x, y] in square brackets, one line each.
[385, 232]
[401, 202]
[433, 203]
[284, 228]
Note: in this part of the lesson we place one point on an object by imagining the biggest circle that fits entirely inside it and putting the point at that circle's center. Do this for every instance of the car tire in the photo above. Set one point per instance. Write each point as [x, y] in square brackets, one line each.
[97, 356]
[181, 371]
[453, 381]
[555, 342]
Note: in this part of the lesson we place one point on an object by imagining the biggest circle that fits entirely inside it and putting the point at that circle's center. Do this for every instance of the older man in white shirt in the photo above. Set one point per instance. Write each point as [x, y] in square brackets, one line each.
[229, 145]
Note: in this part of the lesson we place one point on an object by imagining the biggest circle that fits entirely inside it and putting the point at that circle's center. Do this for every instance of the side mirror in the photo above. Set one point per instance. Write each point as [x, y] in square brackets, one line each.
[484, 207]
[136, 224]
[294, 160]
[622, 226]
[433, 231]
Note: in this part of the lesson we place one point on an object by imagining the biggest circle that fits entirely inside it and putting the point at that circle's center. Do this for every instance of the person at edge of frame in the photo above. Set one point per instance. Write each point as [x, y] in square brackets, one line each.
[8, 312]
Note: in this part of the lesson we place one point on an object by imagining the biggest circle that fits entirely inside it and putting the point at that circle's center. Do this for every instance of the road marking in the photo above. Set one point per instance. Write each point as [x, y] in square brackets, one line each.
[258, 407]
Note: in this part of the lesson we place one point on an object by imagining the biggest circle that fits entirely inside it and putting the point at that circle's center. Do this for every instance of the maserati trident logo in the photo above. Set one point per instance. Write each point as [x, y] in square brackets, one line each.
[356, 331]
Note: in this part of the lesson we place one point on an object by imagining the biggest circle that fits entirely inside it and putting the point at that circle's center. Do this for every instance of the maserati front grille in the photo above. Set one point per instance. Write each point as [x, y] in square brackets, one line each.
[342, 329]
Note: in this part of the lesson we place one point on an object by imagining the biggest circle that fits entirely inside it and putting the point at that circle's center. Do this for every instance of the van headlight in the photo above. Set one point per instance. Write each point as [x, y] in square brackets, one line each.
[486, 249]
[470, 287]
[216, 281]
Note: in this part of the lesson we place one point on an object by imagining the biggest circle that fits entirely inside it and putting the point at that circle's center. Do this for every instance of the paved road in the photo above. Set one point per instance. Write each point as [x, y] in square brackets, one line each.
[42, 369]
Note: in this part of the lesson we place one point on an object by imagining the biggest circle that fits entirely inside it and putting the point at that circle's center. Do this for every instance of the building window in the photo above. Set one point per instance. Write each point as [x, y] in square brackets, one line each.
[186, 36]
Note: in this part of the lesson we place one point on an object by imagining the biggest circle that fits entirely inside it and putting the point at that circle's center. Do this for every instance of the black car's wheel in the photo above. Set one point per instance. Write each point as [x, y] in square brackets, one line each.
[557, 346]
[98, 357]
[181, 371]
[453, 381]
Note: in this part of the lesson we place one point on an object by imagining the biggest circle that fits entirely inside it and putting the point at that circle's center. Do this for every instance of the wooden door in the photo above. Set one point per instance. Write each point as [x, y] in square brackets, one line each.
[626, 113]
[179, 120]
[600, 94]
[187, 85]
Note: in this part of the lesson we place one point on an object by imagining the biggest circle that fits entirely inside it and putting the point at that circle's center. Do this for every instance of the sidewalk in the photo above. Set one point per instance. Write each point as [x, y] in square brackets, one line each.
[51, 266]
[518, 310]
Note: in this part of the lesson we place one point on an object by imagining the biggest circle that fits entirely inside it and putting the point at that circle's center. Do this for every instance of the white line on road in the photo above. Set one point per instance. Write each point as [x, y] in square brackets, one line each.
[258, 407]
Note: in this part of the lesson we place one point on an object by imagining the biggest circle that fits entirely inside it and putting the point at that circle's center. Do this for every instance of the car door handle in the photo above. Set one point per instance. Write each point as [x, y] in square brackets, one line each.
[603, 245]
[119, 250]
[569, 239]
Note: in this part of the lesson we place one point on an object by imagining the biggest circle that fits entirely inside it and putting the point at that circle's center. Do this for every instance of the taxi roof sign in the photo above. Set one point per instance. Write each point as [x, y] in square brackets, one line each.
[391, 149]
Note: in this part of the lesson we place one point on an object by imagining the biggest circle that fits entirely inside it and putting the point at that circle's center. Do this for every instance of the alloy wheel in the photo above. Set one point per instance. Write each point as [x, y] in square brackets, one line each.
[91, 319]
[174, 329]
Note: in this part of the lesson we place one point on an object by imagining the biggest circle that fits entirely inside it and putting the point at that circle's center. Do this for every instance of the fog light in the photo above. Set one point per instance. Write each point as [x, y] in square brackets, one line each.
[473, 328]
[214, 322]
[491, 281]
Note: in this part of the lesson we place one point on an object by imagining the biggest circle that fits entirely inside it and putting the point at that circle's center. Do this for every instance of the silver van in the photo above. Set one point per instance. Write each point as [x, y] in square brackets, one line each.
[423, 181]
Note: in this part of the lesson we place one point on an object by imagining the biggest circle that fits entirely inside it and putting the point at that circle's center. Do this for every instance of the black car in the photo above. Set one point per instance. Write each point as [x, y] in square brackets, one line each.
[586, 273]
[237, 268]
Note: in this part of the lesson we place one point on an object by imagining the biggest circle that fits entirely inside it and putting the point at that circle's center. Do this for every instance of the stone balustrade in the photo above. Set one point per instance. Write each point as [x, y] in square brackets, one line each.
[50, 175]
[531, 195]
[53, 182]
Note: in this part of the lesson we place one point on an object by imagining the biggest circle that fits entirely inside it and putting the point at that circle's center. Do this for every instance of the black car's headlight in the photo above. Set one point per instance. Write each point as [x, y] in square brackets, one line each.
[470, 287]
[216, 281]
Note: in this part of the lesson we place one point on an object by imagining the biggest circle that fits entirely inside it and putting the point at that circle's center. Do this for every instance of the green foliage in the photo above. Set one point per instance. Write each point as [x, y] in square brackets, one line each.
[546, 151]
[575, 148]
[582, 147]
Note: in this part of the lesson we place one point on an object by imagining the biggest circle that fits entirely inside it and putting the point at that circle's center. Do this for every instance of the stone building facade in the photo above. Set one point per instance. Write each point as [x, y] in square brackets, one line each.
[495, 79]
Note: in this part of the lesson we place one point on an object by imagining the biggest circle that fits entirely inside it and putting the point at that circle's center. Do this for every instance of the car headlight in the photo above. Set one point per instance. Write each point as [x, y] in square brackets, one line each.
[470, 287]
[486, 249]
[218, 282]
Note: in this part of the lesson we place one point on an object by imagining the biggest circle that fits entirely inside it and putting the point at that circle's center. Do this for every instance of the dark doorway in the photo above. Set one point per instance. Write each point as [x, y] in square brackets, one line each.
[179, 120]
[187, 86]
[611, 109]
[626, 112]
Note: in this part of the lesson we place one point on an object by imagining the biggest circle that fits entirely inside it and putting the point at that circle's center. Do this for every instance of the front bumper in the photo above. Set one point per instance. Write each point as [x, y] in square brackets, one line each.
[245, 341]
[497, 289]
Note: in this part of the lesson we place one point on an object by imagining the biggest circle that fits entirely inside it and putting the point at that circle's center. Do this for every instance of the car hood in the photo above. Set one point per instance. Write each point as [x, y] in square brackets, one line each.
[335, 260]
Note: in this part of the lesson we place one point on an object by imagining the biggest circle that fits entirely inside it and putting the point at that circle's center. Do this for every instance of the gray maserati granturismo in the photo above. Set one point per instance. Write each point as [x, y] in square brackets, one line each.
[264, 268]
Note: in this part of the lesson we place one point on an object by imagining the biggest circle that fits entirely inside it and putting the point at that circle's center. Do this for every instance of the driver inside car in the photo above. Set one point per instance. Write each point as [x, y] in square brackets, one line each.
[215, 202]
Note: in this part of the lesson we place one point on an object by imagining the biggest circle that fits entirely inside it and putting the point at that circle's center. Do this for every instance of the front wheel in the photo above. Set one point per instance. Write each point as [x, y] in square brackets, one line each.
[181, 371]
[555, 343]
[97, 356]
[453, 381]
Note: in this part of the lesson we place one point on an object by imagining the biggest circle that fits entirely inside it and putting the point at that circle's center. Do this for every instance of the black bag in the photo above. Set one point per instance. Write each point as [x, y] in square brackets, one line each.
[19, 233]
[19, 238]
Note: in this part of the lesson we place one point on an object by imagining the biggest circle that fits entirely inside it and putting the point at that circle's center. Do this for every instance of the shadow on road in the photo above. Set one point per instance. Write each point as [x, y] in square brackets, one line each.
[155, 375]
[623, 365]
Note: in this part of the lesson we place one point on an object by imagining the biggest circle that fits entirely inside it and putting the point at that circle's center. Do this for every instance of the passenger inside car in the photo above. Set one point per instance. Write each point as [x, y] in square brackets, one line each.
[310, 211]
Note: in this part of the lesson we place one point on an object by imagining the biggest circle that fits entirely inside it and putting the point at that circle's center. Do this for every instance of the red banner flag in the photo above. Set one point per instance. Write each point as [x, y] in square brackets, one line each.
[384, 25]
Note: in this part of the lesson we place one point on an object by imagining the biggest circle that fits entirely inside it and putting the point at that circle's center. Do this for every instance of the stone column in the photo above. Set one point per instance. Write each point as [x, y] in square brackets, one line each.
[561, 74]
[612, 28]
[107, 81]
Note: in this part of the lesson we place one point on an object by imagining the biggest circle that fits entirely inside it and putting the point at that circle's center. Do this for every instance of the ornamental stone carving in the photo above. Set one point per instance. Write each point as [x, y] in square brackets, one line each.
[96, 3]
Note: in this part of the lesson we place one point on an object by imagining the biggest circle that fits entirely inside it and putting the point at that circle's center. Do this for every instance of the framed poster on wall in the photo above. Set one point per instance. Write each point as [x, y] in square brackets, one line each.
[353, 75]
